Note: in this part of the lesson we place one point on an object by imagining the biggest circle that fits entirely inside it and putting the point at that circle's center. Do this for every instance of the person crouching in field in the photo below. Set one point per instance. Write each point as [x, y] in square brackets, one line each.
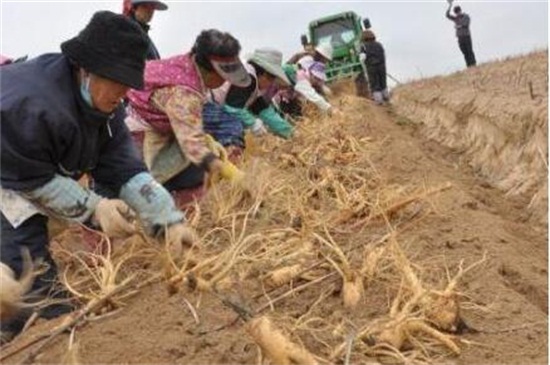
[62, 117]
[166, 116]
[250, 107]
[307, 80]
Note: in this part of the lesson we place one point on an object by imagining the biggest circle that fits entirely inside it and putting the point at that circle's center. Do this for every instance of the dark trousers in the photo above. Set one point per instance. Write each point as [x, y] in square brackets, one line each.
[33, 235]
[465, 44]
[377, 77]
[291, 108]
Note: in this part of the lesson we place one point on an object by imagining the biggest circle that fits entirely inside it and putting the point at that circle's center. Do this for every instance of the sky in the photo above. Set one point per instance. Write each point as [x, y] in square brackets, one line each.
[418, 39]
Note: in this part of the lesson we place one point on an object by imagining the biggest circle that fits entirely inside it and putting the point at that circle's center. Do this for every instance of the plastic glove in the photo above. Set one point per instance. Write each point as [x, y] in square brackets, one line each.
[113, 216]
[230, 172]
[180, 236]
[258, 128]
[215, 147]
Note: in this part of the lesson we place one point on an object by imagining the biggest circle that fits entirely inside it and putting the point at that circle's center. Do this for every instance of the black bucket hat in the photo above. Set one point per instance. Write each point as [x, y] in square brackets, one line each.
[111, 46]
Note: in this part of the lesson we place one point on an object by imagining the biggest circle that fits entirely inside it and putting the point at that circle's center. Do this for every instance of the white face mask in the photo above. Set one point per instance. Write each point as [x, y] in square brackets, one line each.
[85, 90]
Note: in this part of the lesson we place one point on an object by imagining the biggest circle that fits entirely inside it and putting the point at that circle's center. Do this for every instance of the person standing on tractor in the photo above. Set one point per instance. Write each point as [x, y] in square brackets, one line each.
[374, 57]
[62, 117]
[462, 26]
[141, 12]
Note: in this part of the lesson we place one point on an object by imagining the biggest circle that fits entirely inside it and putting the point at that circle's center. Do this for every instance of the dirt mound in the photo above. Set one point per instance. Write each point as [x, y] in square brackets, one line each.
[496, 116]
[363, 243]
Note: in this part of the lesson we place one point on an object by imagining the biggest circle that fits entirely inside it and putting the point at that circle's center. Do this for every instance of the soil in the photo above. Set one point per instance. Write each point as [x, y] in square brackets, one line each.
[507, 295]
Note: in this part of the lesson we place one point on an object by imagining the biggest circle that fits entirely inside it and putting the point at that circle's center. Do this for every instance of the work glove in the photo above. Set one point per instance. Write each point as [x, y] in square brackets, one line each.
[230, 172]
[222, 166]
[179, 236]
[258, 128]
[114, 218]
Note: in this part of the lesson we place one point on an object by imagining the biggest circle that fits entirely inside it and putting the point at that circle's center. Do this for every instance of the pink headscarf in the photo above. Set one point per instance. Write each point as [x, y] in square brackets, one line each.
[5, 60]
[126, 7]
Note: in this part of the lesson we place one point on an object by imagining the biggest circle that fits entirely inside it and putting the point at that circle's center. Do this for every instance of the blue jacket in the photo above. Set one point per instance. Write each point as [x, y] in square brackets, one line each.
[47, 129]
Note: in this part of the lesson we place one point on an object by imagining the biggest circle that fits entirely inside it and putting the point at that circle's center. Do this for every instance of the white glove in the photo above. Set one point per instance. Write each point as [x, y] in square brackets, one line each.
[362, 57]
[179, 235]
[258, 128]
[113, 216]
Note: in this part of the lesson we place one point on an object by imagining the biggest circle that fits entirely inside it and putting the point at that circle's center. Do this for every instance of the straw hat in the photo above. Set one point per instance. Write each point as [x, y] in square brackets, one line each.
[270, 60]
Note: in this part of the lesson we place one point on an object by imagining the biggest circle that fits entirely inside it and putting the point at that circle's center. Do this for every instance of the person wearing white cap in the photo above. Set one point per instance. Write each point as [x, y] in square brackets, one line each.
[165, 117]
[321, 53]
[141, 12]
[310, 77]
[251, 106]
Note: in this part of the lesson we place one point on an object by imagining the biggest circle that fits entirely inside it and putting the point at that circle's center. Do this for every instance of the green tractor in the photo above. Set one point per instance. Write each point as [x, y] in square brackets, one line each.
[343, 31]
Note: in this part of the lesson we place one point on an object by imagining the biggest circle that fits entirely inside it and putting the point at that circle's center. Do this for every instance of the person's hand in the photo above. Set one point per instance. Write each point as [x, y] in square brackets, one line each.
[178, 237]
[226, 170]
[231, 173]
[258, 128]
[113, 217]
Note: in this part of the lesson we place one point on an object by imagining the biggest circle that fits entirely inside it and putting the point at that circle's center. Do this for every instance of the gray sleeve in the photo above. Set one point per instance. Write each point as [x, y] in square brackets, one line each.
[464, 21]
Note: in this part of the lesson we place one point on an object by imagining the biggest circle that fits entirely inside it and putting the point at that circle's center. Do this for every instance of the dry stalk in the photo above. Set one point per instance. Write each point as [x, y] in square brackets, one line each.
[104, 277]
[71, 357]
[403, 203]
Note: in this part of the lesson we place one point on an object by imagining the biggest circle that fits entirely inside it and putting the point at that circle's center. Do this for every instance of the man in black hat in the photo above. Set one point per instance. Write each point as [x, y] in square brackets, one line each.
[62, 117]
[462, 26]
[141, 12]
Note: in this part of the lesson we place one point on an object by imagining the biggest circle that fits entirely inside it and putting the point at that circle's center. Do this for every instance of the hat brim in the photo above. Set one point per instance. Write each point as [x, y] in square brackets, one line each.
[232, 71]
[157, 4]
[272, 69]
[160, 6]
[103, 65]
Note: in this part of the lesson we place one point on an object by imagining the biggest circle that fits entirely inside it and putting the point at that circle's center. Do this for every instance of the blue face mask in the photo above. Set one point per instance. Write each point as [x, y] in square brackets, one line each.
[85, 91]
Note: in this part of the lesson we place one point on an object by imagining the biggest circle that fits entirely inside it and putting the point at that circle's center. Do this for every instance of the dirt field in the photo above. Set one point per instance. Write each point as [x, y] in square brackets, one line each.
[503, 299]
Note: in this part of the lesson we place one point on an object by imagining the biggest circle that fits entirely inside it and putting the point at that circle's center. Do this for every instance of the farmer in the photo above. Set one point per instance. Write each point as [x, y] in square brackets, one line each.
[462, 26]
[249, 106]
[372, 52]
[321, 53]
[307, 79]
[166, 116]
[62, 117]
[141, 12]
